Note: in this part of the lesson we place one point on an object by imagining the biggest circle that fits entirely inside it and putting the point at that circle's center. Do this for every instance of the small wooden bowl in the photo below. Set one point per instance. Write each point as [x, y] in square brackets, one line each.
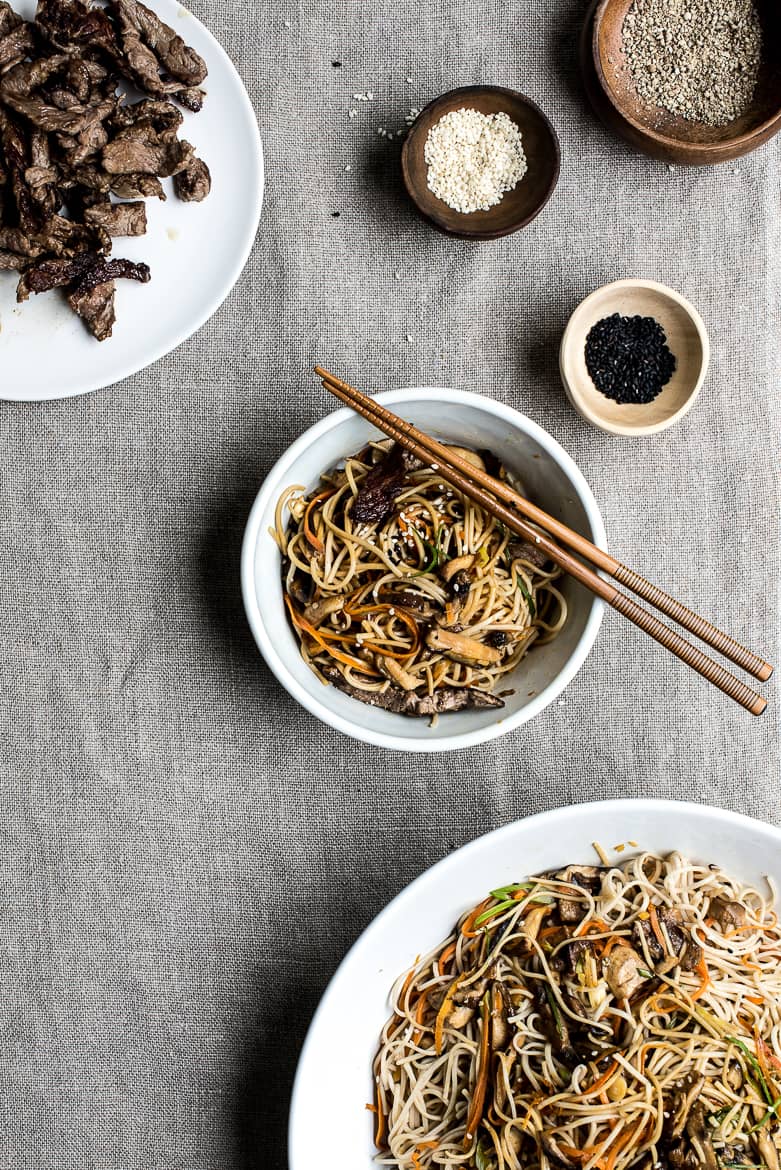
[687, 339]
[652, 130]
[518, 207]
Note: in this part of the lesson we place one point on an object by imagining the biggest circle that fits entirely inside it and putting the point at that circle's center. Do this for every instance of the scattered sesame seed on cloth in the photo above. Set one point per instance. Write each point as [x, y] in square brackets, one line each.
[473, 159]
[695, 58]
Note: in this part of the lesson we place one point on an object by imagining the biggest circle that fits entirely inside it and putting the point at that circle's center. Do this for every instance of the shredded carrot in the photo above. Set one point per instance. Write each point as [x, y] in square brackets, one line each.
[468, 929]
[597, 924]
[427, 1145]
[315, 541]
[547, 931]
[380, 1125]
[584, 1155]
[404, 618]
[702, 971]
[416, 1159]
[420, 1008]
[439, 1026]
[656, 928]
[481, 1082]
[757, 999]
[625, 1139]
[610, 943]
[320, 640]
[601, 1081]
[407, 984]
[446, 956]
[371, 1108]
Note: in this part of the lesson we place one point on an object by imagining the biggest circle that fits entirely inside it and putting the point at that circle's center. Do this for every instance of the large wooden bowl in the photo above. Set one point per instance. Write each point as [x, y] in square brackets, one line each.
[517, 207]
[654, 131]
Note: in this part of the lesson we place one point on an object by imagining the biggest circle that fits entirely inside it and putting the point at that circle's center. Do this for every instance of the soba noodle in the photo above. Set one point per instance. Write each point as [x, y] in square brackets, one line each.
[610, 1018]
[422, 610]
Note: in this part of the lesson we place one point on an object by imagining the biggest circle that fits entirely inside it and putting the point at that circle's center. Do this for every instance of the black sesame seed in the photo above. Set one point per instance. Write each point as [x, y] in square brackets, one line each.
[337, 64]
[628, 358]
[335, 214]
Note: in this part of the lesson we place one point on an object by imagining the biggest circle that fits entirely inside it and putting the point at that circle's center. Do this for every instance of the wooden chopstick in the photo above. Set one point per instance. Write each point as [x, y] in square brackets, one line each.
[462, 476]
[655, 596]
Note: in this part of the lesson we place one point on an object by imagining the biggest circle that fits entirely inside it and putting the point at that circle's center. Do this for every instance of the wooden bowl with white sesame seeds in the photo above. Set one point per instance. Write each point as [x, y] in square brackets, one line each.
[613, 92]
[517, 207]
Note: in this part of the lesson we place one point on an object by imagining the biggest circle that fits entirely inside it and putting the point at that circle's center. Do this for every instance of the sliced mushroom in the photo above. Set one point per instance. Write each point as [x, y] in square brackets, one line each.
[318, 611]
[683, 1100]
[764, 1145]
[468, 456]
[700, 1138]
[533, 921]
[391, 668]
[500, 1010]
[729, 915]
[462, 649]
[621, 971]
[460, 1016]
[456, 565]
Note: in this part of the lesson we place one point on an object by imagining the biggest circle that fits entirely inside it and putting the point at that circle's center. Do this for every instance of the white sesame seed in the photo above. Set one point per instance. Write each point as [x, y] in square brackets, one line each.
[287, 24]
[347, 168]
[409, 80]
[397, 275]
[409, 337]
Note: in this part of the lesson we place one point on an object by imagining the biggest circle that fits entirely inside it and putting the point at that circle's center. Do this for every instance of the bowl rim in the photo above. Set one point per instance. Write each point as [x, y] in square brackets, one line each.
[438, 741]
[665, 140]
[486, 233]
[547, 820]
[593, 416]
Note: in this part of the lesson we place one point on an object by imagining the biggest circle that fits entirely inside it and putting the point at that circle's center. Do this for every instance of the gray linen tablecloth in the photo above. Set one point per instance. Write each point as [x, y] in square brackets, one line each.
[186, 855]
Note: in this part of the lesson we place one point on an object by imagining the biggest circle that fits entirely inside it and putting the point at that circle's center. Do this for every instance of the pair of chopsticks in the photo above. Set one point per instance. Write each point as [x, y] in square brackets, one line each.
[515, 512]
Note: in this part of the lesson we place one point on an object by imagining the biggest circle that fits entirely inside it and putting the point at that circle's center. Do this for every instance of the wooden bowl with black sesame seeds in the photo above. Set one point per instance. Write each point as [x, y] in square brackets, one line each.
[685, 99]
[684, 334]
[517, 207]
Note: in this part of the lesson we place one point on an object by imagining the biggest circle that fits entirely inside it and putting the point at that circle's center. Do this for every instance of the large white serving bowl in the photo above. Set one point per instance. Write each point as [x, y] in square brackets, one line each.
[329, 1127]
[552, 480]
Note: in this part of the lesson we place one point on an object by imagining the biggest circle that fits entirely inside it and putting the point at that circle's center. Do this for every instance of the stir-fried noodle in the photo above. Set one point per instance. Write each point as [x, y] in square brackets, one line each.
[609, 1017]
[406, 594]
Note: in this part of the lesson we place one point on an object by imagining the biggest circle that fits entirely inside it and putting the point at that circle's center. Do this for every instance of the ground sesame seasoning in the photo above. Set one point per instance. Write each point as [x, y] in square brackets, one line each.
[698, 59]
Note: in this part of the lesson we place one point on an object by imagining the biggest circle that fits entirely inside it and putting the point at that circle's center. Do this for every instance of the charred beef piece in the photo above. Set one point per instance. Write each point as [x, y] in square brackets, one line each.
[151, 49]
[118, 219]
[194, 182]
[13, 149]
[68, 140]
[131, 186]
[95, 306]
[69, 24]
[423, 606]
[377, 494]
[526, 551]
[141, 150]
[12, 261]
[410, 703]
[82, 273]
[15, 45]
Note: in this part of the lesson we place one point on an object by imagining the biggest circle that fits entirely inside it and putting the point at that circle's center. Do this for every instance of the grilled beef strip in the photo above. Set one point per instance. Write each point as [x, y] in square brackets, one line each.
[68, 141]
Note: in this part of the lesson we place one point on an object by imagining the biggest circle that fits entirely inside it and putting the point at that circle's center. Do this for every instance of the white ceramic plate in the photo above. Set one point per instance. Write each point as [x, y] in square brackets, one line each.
[196, 252]
[552, 480]
[329, 1126]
